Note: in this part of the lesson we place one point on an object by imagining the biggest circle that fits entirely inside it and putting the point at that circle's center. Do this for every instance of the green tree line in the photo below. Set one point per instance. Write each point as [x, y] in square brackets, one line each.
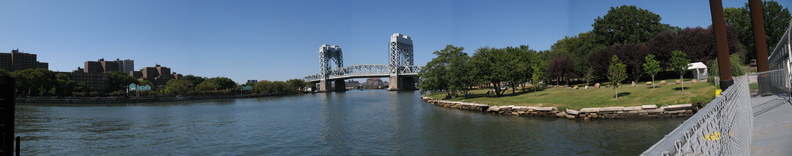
[43, 82]
[635, 36]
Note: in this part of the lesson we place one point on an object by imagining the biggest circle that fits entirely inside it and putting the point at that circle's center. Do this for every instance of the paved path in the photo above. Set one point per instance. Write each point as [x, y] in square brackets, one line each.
[772, 126]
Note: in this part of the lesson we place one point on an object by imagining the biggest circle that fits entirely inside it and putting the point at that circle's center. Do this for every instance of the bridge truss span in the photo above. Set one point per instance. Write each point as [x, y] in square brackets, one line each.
[364, 70]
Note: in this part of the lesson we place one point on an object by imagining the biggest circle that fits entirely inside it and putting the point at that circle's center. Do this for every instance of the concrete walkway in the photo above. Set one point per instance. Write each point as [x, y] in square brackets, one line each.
[772, 126]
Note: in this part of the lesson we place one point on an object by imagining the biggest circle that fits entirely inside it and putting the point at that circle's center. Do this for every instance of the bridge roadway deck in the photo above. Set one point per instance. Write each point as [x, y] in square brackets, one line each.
[772, 126]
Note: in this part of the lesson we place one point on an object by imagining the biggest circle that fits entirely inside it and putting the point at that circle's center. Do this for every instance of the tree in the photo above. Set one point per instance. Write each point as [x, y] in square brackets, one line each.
[490, 65]
[627, 24]
[117, 80]
[264, 87]
[175, 86]
[578, 48]
[519, 65]
[295, 85]
[280, 88]
[617, 72]
[458, 75]
[562, 69]
[35, 81]
[776, 20]
[538, 67]
[651, 67]
[735, 62]
[662, 45]
[194, 80]
[64, 85]
[216, 84]
[448, 72]
[633, 55]
[4, 72]
[433, 75]
[600, 61]
[679, 62]
[697, 43]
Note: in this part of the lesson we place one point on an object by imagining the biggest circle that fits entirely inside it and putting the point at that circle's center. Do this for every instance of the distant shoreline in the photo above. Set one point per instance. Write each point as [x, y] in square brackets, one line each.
[131, 99]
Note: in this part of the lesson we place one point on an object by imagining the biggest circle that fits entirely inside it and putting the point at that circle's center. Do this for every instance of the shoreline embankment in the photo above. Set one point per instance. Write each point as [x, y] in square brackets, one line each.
[645, 111]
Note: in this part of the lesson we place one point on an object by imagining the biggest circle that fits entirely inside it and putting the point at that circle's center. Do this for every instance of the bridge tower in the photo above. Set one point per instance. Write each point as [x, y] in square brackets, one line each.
[400, 55]
[327, 53]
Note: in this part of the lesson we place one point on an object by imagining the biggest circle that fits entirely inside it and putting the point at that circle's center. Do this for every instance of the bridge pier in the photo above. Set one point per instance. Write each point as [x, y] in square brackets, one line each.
[401, 83]
[324, 86]
[340, 85]
[332, 85]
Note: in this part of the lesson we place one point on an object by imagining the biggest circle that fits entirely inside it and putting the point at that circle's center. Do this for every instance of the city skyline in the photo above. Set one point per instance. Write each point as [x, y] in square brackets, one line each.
[266, 40]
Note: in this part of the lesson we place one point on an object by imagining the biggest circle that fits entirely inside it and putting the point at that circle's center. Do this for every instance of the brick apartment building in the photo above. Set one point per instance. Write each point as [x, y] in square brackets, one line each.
[16, 60]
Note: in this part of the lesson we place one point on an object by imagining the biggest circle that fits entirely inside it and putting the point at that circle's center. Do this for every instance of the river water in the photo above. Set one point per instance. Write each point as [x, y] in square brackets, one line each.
[369, 122]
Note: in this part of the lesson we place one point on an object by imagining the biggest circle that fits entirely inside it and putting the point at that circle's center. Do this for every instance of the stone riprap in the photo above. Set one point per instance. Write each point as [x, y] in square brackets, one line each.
[644, 111]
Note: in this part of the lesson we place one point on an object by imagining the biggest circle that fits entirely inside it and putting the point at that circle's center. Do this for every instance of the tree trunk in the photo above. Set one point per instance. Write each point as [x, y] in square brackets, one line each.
[513, 87]
[537, 85]
[653, 82]
[682, 82]
[497, 89]
[617, 91]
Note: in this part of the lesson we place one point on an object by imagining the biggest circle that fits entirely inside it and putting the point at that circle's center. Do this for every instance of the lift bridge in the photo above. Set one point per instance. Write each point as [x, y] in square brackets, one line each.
[402, 72]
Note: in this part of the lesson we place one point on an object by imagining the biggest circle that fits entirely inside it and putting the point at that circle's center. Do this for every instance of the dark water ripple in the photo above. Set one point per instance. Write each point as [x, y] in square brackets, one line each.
[371, 122]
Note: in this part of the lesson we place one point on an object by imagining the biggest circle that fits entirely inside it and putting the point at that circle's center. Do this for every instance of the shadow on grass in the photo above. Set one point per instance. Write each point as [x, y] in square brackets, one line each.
[622, 94]
[508, 93]
[680, 88]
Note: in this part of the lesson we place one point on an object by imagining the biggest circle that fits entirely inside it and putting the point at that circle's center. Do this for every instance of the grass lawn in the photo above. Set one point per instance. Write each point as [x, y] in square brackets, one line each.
[561, 97]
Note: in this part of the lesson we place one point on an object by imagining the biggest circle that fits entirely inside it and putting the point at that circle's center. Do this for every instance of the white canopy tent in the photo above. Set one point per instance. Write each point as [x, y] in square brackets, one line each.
[698, 69]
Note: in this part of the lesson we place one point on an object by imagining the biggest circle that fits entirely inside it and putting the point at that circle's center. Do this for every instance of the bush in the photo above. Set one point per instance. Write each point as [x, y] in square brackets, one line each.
[79, 94]
[118, 93]
[701, 101]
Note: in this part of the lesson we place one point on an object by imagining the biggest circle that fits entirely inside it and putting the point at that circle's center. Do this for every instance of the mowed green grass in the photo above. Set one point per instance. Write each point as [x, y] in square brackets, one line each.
[561, 97]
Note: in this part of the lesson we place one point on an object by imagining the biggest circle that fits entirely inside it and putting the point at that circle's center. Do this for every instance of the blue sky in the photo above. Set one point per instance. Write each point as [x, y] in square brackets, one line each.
[279, 40]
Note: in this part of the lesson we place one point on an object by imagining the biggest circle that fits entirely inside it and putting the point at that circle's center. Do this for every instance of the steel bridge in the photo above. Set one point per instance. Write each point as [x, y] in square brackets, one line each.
[400, 69]
[364, 71]
[741, 120]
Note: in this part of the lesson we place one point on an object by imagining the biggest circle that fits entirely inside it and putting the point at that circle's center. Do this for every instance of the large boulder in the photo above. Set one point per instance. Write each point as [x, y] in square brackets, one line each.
[561, 114]
[679, 107]
[612, 109]
[572, 112]
[590, 110]
[493, 109]
[633, 108]
[649, 106]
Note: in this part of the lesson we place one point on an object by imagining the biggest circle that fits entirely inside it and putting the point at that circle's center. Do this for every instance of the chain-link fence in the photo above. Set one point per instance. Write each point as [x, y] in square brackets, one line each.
[722, 127]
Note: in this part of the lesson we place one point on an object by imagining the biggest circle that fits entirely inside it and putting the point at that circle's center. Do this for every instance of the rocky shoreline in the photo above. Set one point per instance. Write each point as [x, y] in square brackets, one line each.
[645, 111]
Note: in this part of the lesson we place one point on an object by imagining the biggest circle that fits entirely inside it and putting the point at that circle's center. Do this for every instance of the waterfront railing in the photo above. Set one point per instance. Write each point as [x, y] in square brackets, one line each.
[724, 126]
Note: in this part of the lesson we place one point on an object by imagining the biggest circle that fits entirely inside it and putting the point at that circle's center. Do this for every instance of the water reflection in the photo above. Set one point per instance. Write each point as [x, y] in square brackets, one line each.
[367, 122]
